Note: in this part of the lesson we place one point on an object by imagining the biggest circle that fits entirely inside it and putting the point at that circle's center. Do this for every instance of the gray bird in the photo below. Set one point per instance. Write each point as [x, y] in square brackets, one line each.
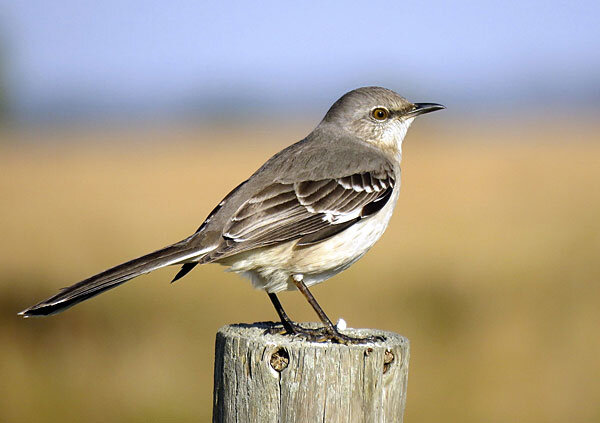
[309, 212]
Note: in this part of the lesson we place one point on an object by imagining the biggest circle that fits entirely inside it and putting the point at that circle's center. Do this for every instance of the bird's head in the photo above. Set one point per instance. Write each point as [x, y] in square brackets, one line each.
[377, 115]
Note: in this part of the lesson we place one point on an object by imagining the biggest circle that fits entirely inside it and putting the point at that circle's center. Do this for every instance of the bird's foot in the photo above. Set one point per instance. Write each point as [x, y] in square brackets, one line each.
[335, 336]
[321, 334]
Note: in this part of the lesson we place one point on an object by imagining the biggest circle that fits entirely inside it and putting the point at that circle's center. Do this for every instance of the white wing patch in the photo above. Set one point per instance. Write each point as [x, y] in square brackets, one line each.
[286, 211]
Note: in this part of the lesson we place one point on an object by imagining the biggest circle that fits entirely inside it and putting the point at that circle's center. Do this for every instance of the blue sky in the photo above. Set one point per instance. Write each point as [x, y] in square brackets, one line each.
[133, 56]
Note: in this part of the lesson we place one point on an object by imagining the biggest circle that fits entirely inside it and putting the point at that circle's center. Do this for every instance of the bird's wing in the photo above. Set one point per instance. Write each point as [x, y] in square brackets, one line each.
[309, 211]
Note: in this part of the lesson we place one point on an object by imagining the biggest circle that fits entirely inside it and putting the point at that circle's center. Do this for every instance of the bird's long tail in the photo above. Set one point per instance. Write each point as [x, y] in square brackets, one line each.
[111, 278]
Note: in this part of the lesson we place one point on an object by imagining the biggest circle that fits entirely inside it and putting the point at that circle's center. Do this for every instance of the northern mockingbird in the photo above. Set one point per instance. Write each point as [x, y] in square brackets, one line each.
[309, 212]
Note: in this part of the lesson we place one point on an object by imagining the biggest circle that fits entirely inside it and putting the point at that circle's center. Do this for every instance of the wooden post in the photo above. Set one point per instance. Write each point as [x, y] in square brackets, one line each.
[261, 378]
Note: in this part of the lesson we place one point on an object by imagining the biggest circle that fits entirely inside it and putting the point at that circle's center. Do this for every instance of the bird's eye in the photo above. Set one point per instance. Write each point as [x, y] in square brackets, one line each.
[380, 114]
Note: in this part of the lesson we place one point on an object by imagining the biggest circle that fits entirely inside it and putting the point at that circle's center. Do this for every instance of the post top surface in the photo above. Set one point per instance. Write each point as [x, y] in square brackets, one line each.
[256, 332]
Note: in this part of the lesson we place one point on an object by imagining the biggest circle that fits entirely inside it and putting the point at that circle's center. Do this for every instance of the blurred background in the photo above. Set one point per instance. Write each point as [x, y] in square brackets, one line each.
[124, 122]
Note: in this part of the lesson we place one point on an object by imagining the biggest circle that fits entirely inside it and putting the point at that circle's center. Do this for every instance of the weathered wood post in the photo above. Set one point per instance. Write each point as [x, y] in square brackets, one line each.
[262, 378]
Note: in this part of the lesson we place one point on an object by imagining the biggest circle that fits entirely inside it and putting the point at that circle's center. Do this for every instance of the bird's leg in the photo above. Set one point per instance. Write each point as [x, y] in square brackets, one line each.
[330, 331]
[288, 325]
[298, 280]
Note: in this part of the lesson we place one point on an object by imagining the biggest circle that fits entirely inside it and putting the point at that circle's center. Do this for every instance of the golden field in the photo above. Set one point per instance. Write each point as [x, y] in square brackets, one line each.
[491, 267]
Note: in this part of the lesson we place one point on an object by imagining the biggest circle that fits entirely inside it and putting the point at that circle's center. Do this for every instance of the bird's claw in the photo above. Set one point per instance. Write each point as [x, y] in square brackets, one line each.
[321, 334]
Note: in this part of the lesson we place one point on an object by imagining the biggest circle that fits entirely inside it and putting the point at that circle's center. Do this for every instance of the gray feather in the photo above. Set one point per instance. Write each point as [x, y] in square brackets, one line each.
[108, 279]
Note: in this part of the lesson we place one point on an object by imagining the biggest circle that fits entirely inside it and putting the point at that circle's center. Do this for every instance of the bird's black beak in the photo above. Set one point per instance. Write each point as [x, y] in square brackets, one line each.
[422, 108]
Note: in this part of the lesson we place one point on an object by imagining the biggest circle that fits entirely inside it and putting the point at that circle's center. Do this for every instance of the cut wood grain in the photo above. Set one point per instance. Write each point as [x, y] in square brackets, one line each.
[273, 378]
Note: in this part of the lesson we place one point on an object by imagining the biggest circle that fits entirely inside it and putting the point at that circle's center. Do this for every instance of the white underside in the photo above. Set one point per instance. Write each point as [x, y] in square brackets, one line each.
[272, 268]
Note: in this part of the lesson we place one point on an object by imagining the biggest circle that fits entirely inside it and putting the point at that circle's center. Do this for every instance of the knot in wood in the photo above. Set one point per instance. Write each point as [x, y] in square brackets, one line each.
[388, 359]
[279, 359]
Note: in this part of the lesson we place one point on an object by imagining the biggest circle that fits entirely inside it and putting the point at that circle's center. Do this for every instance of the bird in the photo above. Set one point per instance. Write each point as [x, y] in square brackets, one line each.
[308, 213]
